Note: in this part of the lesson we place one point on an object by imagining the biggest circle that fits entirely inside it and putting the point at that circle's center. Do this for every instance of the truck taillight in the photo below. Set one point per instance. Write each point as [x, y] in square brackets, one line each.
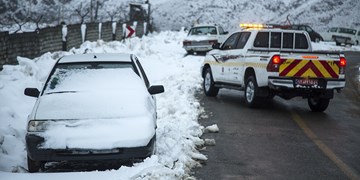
[342, 65]
[274, 64]
[342, 62]
[211, 42]
[186, 43]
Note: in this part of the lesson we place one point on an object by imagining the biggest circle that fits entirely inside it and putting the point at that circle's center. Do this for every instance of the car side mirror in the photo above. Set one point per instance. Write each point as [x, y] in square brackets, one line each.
[32, 92]
[156, 89]
[216, 46]
[226, 32]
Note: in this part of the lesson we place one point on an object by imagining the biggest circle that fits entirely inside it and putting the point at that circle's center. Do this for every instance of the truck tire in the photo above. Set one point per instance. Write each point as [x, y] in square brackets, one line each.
[251, 92]
[209, 85]
[34, 166]
[318, 104]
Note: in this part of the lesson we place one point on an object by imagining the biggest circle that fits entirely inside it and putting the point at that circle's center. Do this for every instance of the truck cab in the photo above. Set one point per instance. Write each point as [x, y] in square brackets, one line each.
[264, 62]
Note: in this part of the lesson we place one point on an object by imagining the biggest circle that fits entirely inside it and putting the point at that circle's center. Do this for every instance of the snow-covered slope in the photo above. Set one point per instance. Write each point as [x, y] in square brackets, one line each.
[320, 14]
[172, 15]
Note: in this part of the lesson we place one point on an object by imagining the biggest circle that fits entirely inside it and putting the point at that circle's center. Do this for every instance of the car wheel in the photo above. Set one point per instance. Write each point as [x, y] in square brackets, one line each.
[251, 92]
[209, 85]
[318, 104]
[190, 52]
[34, 166]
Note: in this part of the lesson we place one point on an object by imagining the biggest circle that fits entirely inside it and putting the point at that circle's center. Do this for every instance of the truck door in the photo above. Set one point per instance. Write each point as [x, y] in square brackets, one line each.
[233, 57]
[222, 67]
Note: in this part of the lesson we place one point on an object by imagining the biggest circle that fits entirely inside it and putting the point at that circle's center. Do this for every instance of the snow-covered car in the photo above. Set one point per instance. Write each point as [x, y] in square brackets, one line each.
[92, 107]
[341, 35]
[201, 38]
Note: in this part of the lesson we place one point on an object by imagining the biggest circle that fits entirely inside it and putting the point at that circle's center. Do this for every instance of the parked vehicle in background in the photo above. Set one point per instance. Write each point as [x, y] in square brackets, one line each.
[92, 107]
[201, 38]
[265, 62]
[314, 36]
[340, 35]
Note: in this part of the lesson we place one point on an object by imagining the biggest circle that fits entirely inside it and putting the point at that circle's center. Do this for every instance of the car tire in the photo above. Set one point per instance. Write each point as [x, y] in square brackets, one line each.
[209, 85]
[251, 92]
[318, 104]
[190, 52]
[34, 166]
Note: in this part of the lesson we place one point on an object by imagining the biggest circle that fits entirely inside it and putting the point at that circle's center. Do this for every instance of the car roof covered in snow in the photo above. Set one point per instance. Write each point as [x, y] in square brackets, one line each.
[97, 57]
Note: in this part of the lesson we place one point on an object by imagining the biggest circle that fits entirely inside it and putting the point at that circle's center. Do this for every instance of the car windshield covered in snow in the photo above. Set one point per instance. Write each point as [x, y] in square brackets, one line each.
[71, 77]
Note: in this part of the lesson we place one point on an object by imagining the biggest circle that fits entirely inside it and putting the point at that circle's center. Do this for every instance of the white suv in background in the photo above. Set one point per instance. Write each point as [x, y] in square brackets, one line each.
[341, 35]
[201, 38]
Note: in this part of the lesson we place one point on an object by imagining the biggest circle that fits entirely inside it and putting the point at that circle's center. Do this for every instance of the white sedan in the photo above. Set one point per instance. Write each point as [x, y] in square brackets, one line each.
[201, 38]
[92, 107]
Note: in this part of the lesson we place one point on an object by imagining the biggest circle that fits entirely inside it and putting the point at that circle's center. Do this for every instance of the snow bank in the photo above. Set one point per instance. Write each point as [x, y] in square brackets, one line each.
[178, 131]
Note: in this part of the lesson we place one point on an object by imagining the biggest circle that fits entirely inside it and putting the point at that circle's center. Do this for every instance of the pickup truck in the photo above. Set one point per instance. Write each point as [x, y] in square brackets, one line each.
[267, 62]
[341, 35]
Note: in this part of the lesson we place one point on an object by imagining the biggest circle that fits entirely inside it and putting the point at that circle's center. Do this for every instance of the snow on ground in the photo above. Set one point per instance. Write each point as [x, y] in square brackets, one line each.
[178, 131]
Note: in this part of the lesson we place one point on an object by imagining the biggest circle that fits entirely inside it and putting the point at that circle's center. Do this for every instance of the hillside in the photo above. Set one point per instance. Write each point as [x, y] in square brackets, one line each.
[320, 14]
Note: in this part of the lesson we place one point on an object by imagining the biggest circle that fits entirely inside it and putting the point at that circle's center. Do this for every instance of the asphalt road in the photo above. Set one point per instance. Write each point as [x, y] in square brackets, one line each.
[283, 139]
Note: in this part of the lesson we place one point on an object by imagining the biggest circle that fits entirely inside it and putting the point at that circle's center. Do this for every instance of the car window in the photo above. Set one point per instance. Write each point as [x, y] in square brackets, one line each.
[359, 33]
[275, 41]
[203, 30]
[347, 31]
[230, 42]
[301, 41]
[333, 29]
[302, 28]
[221, 30]
[262, 40]
[146, 80]
[70, 70]
[244, 36]
[288, 40]
[308, 29]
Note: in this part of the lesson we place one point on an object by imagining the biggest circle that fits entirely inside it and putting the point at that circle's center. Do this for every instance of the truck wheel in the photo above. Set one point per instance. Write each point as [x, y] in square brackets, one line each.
[34, 166]
[251, 92]
[318, 104]
[208, 84]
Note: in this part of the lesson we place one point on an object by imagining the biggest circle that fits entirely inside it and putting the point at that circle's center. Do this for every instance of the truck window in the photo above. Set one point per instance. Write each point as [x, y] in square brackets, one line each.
[333, 29]
[262, 40]
[244, 36]
[230, 42]
[221, 30]
[347, 31]
[275, 41]
[288, 41]
[301, 41]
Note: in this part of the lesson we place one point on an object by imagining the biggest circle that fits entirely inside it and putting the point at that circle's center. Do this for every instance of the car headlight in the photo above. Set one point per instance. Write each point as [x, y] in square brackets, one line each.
[36, 126]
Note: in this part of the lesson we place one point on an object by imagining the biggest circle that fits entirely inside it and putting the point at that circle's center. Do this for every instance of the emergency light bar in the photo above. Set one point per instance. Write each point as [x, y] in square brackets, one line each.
[255, 26]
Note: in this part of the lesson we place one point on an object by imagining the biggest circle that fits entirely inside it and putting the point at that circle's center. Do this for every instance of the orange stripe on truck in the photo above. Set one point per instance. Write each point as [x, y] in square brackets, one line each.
[309, 68]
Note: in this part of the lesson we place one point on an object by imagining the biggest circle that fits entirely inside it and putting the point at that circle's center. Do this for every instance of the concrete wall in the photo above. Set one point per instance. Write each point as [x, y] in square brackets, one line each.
[34, 44]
